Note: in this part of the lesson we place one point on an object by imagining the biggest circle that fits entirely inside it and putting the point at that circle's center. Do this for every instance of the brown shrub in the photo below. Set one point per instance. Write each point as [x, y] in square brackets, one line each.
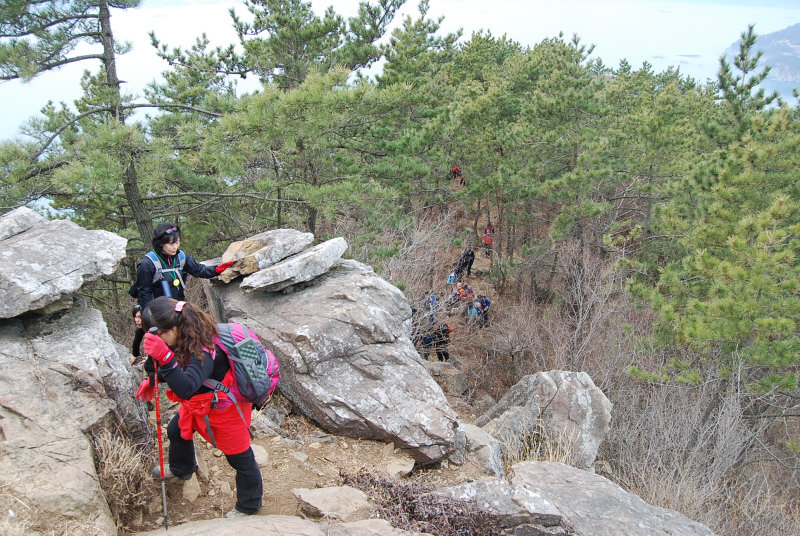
[406, 506]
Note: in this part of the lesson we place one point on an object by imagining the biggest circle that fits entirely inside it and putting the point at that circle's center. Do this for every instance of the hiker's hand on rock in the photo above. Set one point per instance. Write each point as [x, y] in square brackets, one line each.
[146, 391]
[157, 349]
[224, 266]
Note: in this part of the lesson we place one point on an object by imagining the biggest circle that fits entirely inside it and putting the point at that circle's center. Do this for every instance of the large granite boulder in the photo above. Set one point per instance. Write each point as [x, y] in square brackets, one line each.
[553, 498]
[346, 359]
[563, 408]
[42, 262]
[62, 378]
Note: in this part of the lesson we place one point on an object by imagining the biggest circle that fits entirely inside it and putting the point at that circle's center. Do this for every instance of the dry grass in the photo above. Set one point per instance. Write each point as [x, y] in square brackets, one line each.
[407, 506]
[21, 519]
[18, 517]
[124, 472]
[650, 452]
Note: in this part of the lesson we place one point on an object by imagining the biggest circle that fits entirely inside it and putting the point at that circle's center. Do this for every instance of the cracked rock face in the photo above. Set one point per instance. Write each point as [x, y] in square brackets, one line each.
[565, 406]
[346, 358]
[553, 498]
[62, 379]
[43, 262]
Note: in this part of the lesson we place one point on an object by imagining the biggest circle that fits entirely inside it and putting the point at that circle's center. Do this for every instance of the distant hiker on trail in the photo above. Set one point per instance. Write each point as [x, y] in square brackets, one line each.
[465, 293]
[488, 239]
[430, 306]
[464, 263]
[484, 304]
[455, 173]
[138, 335]
[472, 312]
[163, 270]
[441, 338]
[178, 337]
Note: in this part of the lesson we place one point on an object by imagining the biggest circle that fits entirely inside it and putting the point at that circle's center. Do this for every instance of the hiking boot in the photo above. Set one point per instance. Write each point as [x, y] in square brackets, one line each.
[168, 476]
[235, 513]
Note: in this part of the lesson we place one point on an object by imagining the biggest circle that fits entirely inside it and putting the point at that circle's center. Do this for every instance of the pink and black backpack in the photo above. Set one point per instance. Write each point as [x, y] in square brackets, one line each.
[255, 369]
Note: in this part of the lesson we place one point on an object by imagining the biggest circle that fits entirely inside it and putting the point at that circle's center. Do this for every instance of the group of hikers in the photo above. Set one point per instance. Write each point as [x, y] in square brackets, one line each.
[431, 335]
[183, 351]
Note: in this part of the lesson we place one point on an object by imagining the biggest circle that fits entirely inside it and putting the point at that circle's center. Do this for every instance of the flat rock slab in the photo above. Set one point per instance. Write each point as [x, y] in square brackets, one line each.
[43, 261]
[262, 251]
[281, 526]
[299, 268]
[503, 500]
[593, 505]
[344, 503]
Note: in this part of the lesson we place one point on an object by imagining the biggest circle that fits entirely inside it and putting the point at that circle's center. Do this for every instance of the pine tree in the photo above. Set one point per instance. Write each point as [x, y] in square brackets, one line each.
[286, 40]
[40, 36]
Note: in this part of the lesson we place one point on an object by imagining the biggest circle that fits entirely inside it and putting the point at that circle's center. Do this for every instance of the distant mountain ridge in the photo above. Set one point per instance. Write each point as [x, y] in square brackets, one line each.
[781, 51]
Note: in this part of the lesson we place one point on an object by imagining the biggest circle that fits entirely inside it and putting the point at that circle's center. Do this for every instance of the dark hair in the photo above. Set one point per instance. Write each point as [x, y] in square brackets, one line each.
[136, 309]
[165, 233]
[196, 329]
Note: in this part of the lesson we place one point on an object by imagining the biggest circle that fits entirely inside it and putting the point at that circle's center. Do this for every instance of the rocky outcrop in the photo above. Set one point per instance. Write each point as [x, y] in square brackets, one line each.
[452, 380]
[346, 358]
[62, 378]
[342, 503]
[553, 498]
[262, 251]
[44, 262]
[298, 268]
[565, 409]
[341, 334]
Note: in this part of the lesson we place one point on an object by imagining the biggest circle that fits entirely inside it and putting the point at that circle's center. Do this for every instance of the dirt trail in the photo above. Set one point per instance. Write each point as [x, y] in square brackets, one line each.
[306, 458]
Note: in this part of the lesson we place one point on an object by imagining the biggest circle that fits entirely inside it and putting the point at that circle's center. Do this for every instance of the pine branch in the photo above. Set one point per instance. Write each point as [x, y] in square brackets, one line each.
[114, 109]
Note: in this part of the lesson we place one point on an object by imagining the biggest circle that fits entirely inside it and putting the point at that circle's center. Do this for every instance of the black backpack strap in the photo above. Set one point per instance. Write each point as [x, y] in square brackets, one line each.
[218, 386]
[210, 433]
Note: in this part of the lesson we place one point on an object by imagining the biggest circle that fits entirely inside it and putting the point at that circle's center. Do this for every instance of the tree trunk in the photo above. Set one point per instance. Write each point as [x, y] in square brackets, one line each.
[144, 222]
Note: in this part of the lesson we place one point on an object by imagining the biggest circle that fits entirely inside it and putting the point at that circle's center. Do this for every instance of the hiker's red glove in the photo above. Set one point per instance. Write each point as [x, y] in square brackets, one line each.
[146, 391]
[224, 266]
[157, 349]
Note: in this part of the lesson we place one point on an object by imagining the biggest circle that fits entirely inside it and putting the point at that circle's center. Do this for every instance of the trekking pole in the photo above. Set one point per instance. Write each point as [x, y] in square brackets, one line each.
[161, 451]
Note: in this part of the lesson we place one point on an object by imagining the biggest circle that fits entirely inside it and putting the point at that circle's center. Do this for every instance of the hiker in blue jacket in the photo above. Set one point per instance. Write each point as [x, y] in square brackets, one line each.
[484, 304]
[472, 312]
[163, 271]
[431, 306]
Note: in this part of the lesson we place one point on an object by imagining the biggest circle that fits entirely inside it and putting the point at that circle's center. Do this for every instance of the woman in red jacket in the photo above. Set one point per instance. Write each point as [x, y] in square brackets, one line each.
[180, 339]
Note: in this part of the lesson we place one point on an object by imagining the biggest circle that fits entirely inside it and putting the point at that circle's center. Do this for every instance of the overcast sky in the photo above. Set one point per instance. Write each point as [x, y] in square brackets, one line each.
[690, 34]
